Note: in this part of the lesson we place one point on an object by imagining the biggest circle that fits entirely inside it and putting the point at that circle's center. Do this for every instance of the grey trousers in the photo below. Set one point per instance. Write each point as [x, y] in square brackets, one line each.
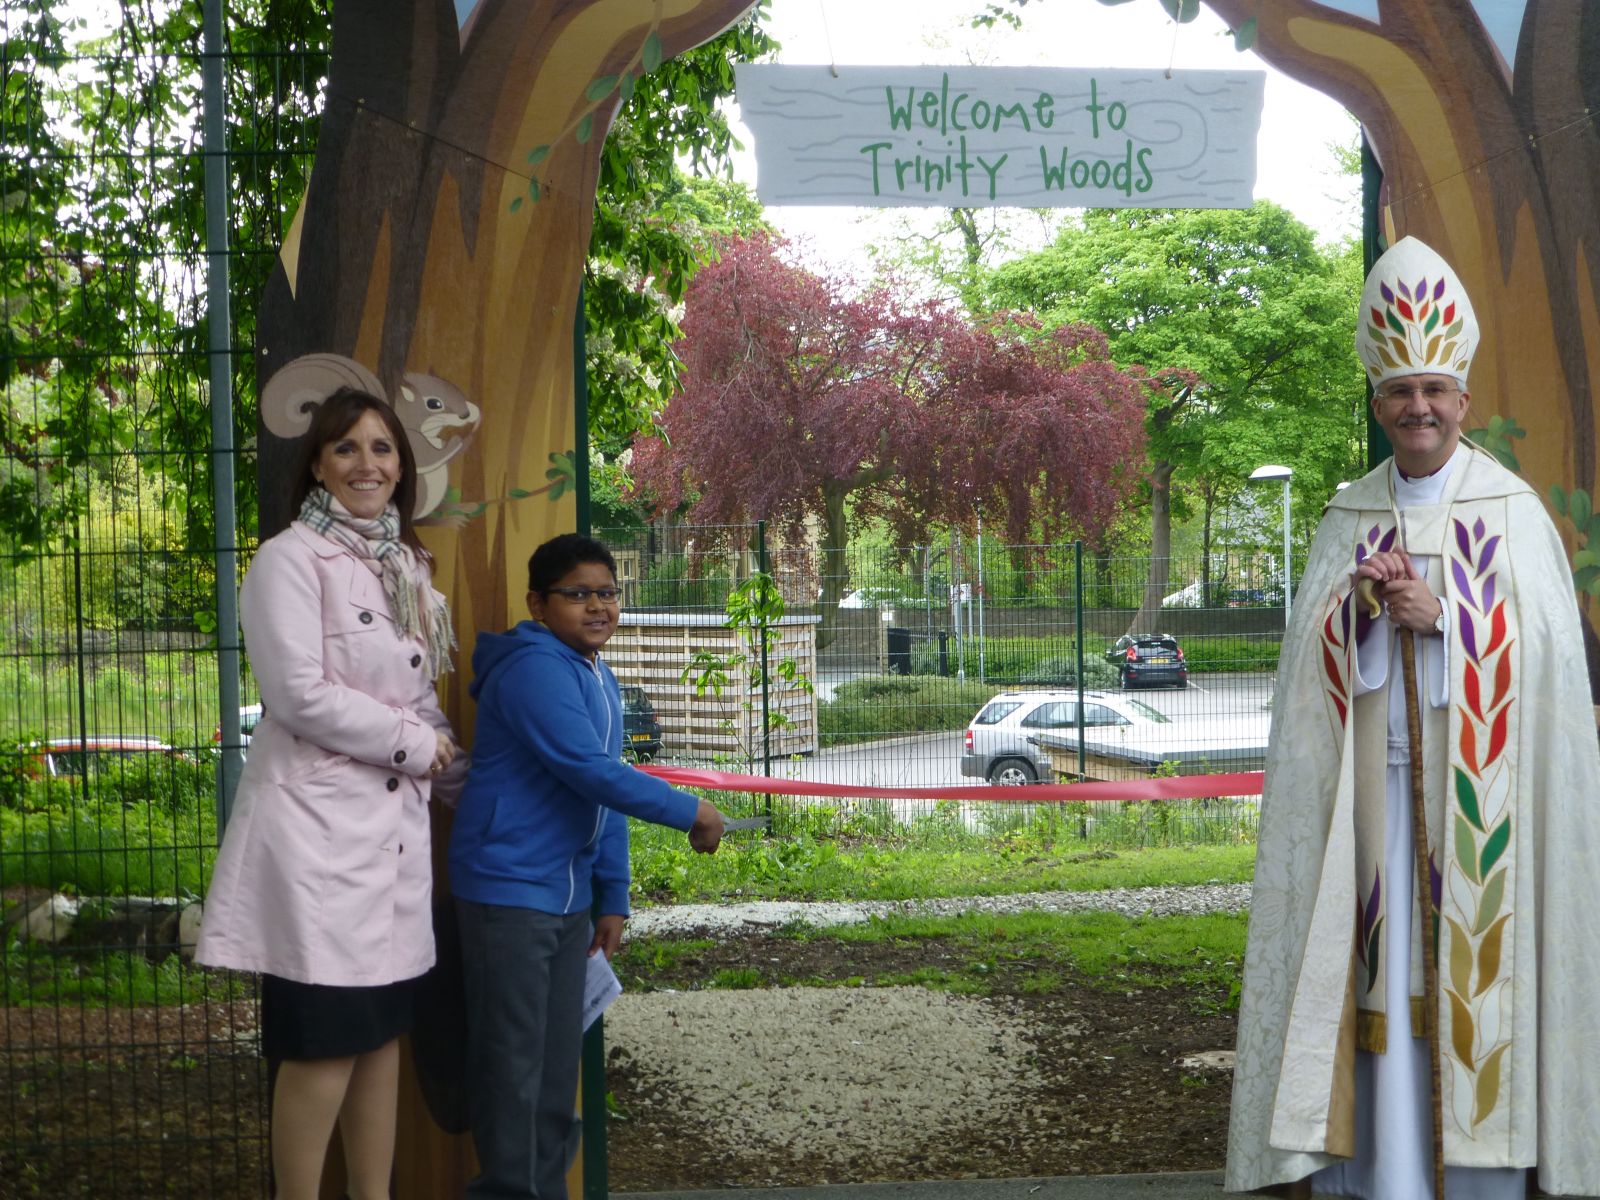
[524, 974]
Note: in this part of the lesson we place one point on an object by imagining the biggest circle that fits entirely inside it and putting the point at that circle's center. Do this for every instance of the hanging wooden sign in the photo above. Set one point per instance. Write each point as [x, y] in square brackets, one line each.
[967, 137]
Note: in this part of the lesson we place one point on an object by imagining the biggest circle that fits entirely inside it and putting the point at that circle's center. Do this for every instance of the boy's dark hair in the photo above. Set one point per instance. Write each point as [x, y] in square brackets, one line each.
[561, 554]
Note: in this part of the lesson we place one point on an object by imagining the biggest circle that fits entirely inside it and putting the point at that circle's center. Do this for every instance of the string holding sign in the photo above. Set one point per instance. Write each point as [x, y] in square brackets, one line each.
[985, 136]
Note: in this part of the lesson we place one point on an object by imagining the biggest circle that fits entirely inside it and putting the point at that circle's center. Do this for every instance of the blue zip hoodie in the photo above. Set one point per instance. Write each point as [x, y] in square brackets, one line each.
[541, 820]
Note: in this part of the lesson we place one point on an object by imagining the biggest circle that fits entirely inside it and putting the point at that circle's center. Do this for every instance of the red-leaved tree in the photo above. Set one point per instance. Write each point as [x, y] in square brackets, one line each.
[797, 393]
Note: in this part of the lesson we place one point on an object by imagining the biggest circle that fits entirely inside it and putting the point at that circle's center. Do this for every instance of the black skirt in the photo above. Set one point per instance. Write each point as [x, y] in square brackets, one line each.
[313, 1020]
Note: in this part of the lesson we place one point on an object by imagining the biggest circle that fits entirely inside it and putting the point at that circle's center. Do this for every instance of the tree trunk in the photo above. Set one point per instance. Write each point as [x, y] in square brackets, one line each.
[835, 566]
[443, 232]
[1156, 582]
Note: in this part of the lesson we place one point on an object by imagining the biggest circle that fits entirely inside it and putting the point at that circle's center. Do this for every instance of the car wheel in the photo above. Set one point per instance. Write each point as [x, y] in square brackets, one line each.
[1012, 772]
[1122, 680]
[1184, 682]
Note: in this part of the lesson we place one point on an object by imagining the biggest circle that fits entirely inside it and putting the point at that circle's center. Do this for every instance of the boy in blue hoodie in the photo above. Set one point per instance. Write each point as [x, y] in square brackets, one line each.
[540, 840]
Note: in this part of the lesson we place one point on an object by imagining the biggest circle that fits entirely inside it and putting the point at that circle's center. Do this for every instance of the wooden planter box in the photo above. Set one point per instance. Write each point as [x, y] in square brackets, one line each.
[652, 649]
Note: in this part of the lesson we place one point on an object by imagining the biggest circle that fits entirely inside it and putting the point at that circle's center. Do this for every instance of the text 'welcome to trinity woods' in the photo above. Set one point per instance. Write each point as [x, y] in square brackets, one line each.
[932, 171]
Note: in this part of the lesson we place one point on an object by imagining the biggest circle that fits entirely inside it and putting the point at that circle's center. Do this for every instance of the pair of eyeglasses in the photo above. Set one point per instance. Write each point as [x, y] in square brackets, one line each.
[580, 595]
[1428, 391]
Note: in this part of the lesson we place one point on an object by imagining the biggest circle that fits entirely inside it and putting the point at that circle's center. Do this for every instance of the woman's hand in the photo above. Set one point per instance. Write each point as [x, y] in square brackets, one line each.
[444, 752]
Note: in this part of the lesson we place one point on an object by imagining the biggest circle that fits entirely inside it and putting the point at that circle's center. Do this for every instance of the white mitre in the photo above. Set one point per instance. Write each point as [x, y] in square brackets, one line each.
[1415, 316]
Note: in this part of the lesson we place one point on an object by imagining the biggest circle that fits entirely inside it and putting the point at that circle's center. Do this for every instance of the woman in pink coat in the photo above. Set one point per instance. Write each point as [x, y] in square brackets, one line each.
[323, 882]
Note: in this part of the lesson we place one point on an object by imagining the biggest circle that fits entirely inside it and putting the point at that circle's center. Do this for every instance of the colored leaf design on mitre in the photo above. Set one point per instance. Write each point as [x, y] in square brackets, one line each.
[1405, 331]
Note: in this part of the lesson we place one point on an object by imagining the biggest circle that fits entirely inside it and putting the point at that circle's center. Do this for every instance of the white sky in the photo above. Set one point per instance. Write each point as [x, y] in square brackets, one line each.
[1298, 124]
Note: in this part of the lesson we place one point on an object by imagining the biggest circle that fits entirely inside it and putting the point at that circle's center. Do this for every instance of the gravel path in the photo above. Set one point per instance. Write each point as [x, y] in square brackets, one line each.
[766, 914]
[868, 1075]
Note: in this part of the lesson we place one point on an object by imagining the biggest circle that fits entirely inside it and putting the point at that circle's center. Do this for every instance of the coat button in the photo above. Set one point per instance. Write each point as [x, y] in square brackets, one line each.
[392, 785]
[365, 618]
[416, 660]
[399, 756]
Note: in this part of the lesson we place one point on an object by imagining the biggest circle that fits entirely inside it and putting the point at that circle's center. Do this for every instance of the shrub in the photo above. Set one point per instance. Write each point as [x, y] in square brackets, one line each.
[899, 704]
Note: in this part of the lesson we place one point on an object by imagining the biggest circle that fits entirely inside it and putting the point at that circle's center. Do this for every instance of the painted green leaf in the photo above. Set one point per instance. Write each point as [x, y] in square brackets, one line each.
[1489, 903]
[519, 493]
[1182, 11]
[554, 474]
[585, 129]
[534, 191]
[558, 490]
[651, 55]
[1586, 579]
[1467, 798]
[1593, 531]
[1586, 558]
[537, 155]
[1558, 499]
[1467, 849]
[1495, 846]
[1579, 504]
[516, 203]
[1245, 36]
[600, 88]
[626, 89]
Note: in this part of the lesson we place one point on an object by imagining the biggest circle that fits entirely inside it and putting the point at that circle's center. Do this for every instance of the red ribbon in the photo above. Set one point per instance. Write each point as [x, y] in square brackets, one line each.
[1176, 787]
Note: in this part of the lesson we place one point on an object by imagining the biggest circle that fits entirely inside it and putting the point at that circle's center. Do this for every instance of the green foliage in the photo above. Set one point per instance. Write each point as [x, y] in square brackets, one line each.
[863, 857]
[895, 705]
[1577, 508]
[672, 582]
[32, 975]
[105, 848]
[1498, 438]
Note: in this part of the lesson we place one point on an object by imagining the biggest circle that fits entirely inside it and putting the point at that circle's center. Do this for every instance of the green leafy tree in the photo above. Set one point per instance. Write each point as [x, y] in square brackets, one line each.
[1247, 317]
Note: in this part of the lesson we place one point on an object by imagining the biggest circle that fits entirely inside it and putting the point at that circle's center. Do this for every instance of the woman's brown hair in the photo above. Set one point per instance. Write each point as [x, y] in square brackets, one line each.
[337, 416]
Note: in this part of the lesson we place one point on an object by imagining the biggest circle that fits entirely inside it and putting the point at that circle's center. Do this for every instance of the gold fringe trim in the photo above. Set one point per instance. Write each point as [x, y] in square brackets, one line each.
[1372, 1028]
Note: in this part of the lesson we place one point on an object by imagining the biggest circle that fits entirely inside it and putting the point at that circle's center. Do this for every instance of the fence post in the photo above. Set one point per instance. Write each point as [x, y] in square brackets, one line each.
[1077, 587]
[766, 679]
[219, 348]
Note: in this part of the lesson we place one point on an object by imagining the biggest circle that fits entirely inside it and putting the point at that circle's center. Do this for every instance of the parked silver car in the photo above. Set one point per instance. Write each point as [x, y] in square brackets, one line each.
[996, 746]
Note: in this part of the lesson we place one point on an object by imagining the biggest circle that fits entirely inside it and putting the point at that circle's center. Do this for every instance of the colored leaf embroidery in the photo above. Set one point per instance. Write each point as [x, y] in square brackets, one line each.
[1488, 1092]
[1461, 582]
[1474, 700]
[1489, 955]
[1463, 541]
[1489, 904]
[1469, 747]
[1460, 958]
[1502, 680]
[1487, 599]
[1486, 556]
[1497, 736]
[1372, 954]
[1498, 628]
[1467, 798]
[1467, 850]
[1461, 1029]
[1494, 847]
[1469, 634]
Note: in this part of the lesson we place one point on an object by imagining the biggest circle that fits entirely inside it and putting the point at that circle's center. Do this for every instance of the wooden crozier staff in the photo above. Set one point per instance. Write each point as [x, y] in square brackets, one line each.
[1419, 841]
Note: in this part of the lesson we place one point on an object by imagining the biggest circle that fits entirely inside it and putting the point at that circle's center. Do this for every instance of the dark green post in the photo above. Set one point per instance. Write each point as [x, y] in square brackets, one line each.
[1378, 447]
[596, 1181]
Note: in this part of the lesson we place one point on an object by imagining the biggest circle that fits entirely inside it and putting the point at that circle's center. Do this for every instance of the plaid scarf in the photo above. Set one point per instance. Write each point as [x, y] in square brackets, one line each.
[418, 610]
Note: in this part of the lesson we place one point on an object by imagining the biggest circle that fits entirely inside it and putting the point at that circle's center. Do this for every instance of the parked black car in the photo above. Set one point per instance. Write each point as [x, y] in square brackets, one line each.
[1148, 659]
[641, 728]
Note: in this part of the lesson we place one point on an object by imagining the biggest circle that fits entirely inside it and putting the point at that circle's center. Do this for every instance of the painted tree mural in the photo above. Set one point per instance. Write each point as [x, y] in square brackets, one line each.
[442, 239]
[1485, 116]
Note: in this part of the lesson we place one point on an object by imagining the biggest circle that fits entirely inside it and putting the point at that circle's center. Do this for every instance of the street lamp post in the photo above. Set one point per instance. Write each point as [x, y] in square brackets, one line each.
[1269, 472]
